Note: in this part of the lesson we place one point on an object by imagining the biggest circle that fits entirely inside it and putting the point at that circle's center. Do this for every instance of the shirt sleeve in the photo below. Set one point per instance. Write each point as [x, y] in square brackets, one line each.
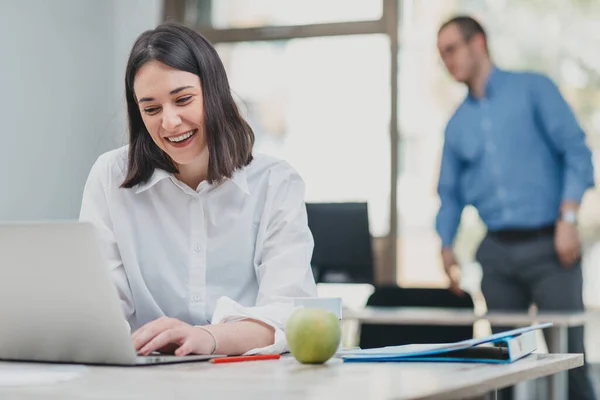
[94, 209]
[274, 315]
[451, 205]
[566, 137]
[282, 265]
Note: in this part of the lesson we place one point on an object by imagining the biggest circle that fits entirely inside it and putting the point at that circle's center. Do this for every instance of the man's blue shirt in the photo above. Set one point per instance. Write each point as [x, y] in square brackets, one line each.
[514, 154]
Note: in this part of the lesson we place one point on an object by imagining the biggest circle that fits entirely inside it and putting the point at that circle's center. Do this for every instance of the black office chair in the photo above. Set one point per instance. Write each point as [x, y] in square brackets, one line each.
[373, 335]
[343, 252]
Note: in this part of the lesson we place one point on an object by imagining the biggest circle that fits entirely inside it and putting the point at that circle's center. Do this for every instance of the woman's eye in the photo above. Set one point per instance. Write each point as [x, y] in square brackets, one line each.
[183, 100]
[151, 110]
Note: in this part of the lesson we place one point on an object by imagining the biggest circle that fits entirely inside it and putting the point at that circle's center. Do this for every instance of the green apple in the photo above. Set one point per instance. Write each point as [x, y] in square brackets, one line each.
[313, 335]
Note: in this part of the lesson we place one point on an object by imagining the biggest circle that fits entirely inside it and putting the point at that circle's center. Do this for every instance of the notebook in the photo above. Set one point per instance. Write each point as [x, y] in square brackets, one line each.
[500, 348]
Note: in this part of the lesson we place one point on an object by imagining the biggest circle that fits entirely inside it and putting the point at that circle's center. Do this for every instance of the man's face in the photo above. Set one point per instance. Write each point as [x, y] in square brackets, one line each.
[458, 55]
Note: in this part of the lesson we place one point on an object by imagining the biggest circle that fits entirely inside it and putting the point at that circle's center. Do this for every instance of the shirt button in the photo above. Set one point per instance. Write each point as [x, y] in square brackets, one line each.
[196, 298]
[197, 248]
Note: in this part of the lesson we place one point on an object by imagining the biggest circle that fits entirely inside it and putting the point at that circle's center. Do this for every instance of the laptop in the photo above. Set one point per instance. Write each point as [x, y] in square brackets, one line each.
[58, 302]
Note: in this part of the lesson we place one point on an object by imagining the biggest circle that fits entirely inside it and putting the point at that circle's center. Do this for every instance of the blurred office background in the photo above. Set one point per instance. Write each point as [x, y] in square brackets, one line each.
[321, 85]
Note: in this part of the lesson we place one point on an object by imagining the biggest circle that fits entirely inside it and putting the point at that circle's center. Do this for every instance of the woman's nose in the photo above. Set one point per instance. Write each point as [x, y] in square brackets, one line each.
[170, 119]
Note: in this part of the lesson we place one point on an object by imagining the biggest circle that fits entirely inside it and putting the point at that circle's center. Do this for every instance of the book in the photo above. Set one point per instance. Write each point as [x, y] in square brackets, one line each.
[500, 348]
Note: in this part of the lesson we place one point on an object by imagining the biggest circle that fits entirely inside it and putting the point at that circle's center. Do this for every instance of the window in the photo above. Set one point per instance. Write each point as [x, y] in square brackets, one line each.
[323, 105]
[225, 14]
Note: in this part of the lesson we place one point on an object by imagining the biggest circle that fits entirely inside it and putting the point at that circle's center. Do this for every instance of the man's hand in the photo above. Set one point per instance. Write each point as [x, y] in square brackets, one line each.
[452, 270]
[566, 243]
[170, 335]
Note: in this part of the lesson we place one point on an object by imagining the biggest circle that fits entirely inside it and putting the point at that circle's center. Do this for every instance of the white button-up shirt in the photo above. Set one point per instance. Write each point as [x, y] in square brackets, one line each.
[221, 253]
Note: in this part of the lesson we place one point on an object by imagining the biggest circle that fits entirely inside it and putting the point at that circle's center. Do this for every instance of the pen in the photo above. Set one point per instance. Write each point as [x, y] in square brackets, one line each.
[221, 360]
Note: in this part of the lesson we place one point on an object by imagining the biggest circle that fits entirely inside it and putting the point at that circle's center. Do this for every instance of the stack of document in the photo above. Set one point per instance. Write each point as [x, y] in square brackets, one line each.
[500, 348]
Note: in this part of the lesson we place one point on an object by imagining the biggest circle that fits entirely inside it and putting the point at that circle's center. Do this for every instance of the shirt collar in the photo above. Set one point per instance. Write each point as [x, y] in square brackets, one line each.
[157, 176]
[491, 86]
[239, 179]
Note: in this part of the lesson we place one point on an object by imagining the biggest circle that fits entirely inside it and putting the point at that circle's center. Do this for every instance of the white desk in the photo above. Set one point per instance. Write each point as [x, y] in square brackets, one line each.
[290, 380]
[558, 333]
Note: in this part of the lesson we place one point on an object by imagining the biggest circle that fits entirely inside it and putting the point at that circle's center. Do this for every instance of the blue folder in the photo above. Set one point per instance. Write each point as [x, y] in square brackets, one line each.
[500, 348]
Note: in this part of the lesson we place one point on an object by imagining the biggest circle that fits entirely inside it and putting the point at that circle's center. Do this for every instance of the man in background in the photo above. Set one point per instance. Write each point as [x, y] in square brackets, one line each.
[514, 150]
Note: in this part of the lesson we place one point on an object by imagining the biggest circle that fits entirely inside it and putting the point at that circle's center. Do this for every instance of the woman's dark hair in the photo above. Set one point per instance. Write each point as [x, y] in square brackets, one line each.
[228, 136]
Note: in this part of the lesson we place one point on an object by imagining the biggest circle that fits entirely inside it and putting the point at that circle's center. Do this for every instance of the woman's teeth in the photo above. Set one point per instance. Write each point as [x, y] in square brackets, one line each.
[181, 138]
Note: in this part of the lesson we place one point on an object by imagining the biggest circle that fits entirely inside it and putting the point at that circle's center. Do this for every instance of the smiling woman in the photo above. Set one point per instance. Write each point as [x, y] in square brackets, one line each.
[174, 118]
[208, 244]
[170, 71]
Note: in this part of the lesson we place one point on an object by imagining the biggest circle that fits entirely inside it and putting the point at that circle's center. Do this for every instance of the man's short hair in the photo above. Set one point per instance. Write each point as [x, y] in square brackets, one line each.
[467, 26]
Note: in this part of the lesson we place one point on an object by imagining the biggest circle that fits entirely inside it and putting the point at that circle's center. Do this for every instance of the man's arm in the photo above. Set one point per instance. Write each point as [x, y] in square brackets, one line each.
[450, 211]
[568, 139]
[451, 204]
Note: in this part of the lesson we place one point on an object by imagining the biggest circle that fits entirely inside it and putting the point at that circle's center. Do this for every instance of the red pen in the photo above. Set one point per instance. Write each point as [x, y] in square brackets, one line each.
[221, 360]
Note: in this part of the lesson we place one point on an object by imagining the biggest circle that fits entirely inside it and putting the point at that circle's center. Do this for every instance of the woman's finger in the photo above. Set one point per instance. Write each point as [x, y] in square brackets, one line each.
[186, 348]
[147, 332]
[163, 339]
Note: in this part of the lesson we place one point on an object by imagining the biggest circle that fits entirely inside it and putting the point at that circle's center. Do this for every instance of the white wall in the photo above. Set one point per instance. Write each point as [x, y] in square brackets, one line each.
[62, 102]
[131, 18]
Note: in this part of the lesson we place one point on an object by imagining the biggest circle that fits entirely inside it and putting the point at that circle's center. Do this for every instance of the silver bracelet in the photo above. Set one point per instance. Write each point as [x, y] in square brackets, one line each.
[213, 336]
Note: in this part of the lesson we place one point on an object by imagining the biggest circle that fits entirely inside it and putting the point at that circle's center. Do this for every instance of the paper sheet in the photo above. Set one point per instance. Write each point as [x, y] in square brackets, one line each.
[17, 374]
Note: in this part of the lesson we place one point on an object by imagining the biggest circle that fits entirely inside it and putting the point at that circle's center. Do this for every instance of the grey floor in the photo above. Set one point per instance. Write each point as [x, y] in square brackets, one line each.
[595, 376]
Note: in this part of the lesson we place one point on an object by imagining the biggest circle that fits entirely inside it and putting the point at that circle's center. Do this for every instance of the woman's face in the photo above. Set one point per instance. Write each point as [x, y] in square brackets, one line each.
[171, 105]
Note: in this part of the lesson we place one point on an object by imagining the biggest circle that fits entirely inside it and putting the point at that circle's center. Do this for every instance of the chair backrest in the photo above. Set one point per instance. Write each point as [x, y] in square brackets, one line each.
[373, 335]
[343, 252]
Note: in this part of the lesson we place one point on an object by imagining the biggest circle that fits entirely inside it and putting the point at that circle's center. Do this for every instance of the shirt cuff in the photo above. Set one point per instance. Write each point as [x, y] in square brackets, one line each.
[447, 234]
[574, 192]
[274, 315]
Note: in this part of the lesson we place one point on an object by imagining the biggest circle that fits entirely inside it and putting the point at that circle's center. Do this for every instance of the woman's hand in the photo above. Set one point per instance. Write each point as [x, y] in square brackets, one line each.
[170, 335]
